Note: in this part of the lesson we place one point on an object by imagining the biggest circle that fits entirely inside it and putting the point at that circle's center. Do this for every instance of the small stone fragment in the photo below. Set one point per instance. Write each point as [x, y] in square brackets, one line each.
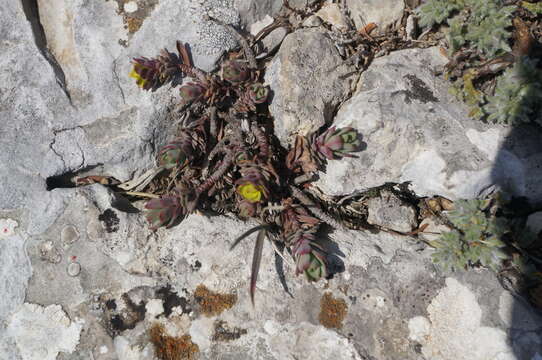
[130, 7]
[312, 21]
[272, 41]
[7, 227]
[74, 268]
[259, 25]
[69, 235]
[389, 211]
[411, 28]
[49, 252]
[332, 311]
[432, 230]
[534, 222]
[95, 230]
[331, 13]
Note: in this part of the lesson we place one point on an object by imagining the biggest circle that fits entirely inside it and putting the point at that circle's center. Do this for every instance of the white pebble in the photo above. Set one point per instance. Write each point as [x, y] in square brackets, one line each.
[74, 268]
[130, 7]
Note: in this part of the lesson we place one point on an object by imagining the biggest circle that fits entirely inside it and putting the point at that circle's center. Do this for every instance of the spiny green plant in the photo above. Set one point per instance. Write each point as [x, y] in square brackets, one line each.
[535, 7]
[480, 24]
[518, 95]
[476, 239]
[224, 157]
[437, 11]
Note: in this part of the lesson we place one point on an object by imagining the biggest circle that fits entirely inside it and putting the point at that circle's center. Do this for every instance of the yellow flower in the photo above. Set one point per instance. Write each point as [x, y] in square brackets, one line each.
[140, 81]
[250, 192]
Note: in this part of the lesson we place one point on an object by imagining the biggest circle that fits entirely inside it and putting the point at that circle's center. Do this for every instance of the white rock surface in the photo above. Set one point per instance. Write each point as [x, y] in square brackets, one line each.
[384, 13]
[42, 332]
[331, 13]
[130, 277]
[455, 330]
[415, 131]
[302, 100]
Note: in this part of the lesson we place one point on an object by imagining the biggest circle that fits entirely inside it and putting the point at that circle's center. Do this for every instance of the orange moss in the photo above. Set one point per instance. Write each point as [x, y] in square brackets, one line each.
[211, 303]
[133, 23]
[172, 348]
[332, 311]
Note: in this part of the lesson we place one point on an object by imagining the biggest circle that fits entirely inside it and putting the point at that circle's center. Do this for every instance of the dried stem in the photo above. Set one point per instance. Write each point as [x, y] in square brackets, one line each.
[313, 208]
[249, 54]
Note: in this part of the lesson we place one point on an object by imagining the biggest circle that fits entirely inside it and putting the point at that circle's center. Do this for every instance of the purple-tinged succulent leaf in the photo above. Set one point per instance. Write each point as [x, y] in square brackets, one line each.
[338, 143]
[192, 91]
[235, 72]
[172, 155]
[163, 211]
[258, 93]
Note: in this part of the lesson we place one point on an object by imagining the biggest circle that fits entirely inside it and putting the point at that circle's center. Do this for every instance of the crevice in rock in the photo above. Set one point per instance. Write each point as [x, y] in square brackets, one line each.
[67, 179]
[117, 81]
[31, 11]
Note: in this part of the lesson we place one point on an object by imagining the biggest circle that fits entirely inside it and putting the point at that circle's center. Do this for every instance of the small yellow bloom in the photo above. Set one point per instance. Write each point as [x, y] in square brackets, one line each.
[250, 192]
[139, 80]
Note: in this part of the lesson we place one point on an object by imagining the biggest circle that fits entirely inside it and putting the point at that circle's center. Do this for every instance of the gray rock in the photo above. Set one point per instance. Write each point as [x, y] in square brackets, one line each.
[432, 229]
[312, 21]
[108, 126]
[301, 4]
[384, 13]
[308, 80]
[388, 211]
[415, 131]
[331, 14]
[270, 42]
[252, 11]
[534, 222]
[15, 271]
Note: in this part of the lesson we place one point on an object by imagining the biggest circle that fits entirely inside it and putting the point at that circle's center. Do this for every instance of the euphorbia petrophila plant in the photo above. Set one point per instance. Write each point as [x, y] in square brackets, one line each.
[224, 158]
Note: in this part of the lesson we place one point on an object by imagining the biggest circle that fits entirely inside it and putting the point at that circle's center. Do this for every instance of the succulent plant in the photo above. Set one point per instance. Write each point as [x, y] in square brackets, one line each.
[182, 149]
[309, 259]
[147, 73]
[163, 211]
[192, 91]
[252, 186]
[225, 159]
[338, 143]
[258, 93]
[235, 72]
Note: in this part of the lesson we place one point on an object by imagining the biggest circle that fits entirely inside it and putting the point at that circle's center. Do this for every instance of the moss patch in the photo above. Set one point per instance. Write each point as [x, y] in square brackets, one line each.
[172, 348]
[211, 303]
[223, 332]
[332, 311]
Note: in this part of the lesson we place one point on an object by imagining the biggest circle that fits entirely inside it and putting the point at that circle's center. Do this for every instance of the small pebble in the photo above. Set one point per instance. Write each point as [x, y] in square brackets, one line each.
[130, 7]
[74, 268]
[69, 235]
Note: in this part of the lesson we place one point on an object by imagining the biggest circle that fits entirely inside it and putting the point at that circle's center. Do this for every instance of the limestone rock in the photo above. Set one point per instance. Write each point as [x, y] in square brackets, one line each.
[129, 278]
[454, 329]
[415, 131]
[331, 13]
[252, 11]
[534, 222]
[388, 211]
[270, 42]
[42, 332]
[384, 13]
[308, 82]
